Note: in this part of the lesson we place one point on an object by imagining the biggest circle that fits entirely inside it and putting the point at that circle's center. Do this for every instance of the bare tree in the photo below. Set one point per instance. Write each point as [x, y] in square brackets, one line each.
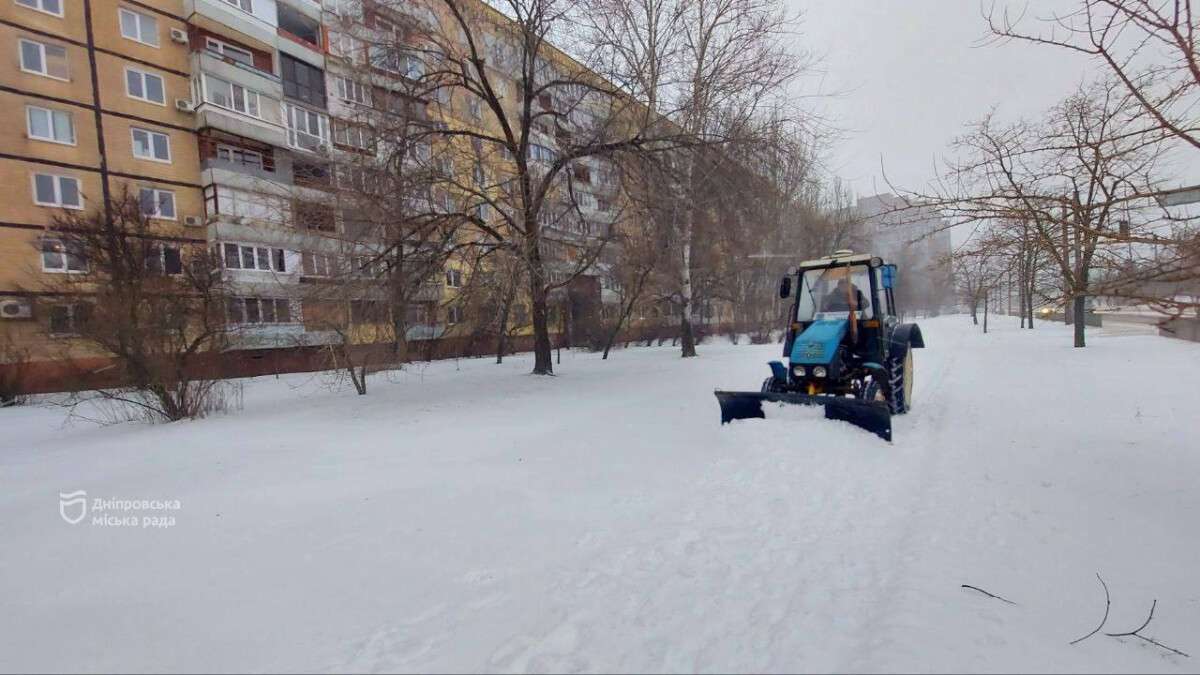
[531, 120]
[157, 308]
[734, 59]
[1073, 182]
[1148, 47]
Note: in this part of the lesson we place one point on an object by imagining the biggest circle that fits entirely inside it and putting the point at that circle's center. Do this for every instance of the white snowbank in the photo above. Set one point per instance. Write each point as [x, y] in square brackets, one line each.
[471, 517]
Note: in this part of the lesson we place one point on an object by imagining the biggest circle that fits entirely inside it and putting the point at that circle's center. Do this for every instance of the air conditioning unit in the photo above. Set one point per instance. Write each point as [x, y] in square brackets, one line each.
[16, 308]
[192, 221]
[179, 35]
[184, 105]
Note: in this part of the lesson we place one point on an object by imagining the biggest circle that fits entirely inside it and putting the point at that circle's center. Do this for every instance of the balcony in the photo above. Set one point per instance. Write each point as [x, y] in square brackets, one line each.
[241, 175]
[238, 109]
[237, 72]
[300, 32]
[221, 16]
[278, 336]
[239, 155]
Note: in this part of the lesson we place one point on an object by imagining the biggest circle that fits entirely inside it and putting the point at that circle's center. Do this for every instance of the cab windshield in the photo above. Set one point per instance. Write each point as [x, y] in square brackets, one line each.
[831, 293]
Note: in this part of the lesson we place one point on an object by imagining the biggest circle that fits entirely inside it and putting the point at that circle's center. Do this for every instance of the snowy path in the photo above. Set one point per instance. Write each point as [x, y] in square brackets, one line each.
[470, 517]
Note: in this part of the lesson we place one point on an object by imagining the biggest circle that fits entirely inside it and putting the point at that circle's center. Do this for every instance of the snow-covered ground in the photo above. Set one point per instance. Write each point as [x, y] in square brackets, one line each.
[467, 516]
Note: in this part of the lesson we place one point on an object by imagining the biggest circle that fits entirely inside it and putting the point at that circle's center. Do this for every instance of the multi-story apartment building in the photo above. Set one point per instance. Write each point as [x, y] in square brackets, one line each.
[235, 123]
[89, 89]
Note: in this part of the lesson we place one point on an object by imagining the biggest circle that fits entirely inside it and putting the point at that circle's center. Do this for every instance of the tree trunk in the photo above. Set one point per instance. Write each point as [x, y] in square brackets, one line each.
[1078, 306]
[502, 339]
[400, 332]
[985, 313]
[542, 354]
[1029, 305]
[624, 315]
[687, 337]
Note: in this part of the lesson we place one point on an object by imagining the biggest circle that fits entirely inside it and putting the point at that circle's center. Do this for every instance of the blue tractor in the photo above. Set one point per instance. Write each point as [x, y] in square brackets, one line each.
[845, 346]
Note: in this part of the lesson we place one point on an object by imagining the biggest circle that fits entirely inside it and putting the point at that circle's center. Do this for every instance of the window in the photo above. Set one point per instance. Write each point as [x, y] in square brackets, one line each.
[345, 46]
[421, 151]
[138, 27]
[145, 86]
[244, 5]
[352, 91]
[240, 257]
[586, 200]
[157, 203]
[66, 320]
[228, 51]
[390, 59]
[443, 202]
[296, 24]
[412, 66]
[540, 153]
[352, 135]
[314, 216]
[242, 156]
[368, 311]
[249, 311]
[163, 259]
[52, 190]
[48, 6]
[454, 278]
[151, 145]
[44, 59]
[227, 201]
[45, 124]
[357, 178]
[231, 96]
[364, 266]
[454, 314]
[315, 174]
[475, 108]
[307, 130]
[416, 315]
[58, 256]
[302, 81]
[319, 264]
[355, 226]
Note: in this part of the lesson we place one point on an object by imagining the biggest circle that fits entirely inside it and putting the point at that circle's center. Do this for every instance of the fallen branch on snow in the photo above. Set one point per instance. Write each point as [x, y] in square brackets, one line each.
[1107, 606]
[990, 595]
[1137, 633]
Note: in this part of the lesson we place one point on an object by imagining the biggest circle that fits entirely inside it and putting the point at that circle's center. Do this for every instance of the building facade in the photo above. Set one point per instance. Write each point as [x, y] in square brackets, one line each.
[235, 124]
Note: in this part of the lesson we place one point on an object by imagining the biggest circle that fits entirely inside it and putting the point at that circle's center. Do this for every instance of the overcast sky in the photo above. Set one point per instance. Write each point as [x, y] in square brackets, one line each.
[911, 77]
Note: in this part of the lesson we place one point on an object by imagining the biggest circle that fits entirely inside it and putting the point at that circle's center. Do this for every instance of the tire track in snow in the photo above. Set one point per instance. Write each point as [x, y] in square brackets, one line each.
[877, 641]
[774, 579]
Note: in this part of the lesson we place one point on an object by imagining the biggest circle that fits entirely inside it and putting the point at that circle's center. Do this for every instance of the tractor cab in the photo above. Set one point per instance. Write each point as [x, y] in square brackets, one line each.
[844, 346]
[842, 309]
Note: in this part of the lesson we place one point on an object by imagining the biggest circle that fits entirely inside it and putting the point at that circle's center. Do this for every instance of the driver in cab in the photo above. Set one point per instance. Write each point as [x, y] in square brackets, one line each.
[845, 297]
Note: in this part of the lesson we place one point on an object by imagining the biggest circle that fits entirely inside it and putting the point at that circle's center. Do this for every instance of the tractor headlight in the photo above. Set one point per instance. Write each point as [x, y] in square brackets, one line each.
[798, 371]
[819, 371]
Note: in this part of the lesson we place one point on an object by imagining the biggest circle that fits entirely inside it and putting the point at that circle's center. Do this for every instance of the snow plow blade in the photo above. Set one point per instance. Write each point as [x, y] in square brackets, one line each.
[873, 416]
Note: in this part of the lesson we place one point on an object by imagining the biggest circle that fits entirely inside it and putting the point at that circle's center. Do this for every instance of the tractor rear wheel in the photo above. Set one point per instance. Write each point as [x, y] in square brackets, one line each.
[900, 383]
